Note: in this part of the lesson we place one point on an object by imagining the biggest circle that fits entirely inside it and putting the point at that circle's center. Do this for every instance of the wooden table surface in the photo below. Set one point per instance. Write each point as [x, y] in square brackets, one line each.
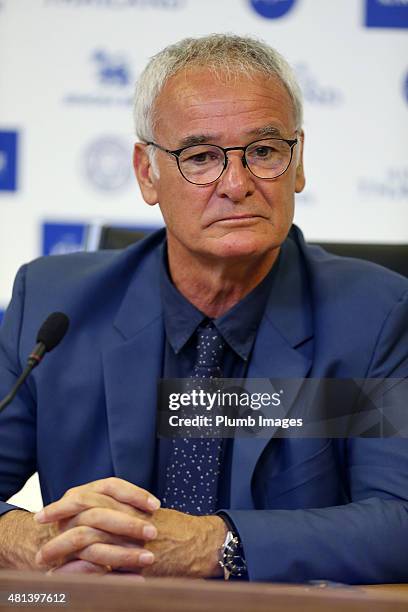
[123, 593]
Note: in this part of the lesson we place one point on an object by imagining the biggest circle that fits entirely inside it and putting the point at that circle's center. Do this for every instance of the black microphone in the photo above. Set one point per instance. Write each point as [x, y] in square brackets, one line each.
[49, 335]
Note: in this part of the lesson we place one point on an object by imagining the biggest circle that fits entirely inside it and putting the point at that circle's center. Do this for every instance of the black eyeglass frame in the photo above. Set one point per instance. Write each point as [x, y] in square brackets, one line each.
[177, 152]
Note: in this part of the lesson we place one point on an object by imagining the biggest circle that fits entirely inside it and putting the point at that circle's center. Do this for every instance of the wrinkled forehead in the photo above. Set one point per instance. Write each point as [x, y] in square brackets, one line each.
[195, 92]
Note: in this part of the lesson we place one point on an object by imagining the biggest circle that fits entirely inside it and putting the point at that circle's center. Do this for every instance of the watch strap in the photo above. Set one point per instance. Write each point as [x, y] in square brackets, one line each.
[232, 557]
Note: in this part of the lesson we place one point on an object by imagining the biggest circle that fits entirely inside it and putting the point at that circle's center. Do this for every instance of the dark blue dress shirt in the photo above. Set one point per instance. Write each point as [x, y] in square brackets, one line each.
[238, 326]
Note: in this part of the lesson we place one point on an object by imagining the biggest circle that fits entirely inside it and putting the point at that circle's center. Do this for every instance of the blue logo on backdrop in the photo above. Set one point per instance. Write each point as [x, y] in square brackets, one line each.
[62, 238]
[386, 14]
[8, 160]
[108, 163]
[112, 82]
[272, 9]
[392, 186]
[112, 70]
[314, 91]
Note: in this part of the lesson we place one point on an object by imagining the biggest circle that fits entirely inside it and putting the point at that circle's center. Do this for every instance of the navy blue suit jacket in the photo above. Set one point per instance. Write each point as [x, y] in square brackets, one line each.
[305, 508]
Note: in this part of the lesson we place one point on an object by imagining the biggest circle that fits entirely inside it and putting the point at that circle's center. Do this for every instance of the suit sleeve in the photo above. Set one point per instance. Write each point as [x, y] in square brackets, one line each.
[363, 541]
[17, 421]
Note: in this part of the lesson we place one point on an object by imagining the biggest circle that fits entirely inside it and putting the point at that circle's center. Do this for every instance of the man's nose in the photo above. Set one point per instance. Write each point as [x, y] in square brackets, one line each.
[236, 182]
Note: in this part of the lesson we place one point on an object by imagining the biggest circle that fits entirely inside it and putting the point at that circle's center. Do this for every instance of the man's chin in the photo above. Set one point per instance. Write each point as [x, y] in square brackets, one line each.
[243, 245]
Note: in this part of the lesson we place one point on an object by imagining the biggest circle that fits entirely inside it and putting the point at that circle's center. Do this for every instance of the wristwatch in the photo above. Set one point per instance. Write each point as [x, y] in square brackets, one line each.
[232, 558]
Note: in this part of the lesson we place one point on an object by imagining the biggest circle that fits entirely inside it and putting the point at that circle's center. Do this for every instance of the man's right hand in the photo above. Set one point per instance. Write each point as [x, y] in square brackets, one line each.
[104, 523]
[21, 538]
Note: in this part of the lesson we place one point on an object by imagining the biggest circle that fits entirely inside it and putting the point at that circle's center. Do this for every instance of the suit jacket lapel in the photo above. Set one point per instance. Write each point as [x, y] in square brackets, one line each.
[282, 350]
[132, 369]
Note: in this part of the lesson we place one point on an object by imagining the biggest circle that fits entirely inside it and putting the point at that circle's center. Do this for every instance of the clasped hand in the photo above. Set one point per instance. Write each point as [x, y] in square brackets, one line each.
[105, 523]
[113, 525]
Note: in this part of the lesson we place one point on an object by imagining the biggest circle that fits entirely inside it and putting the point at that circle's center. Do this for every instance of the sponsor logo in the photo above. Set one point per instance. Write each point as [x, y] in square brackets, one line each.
[392, 186]
[63, 238]
[314, 91]
[386, 14]
[272, 9]
[8, 160]
[107, 163]
[118, 4]
[111, 70]
[112, 82]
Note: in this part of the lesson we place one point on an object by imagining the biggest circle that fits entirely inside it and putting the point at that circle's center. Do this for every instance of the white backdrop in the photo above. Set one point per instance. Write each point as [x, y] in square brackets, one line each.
[67, 69]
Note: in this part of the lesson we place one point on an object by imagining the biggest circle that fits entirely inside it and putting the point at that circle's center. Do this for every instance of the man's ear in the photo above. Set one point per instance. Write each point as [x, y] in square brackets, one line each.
[144, 174]
[300, 179]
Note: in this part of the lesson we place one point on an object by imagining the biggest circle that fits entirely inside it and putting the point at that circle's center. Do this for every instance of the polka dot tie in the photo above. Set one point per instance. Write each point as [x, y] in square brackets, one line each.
[195, 463]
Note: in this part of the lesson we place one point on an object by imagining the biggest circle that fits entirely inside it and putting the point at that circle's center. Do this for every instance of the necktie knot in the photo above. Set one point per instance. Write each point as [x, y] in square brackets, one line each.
[210, 350]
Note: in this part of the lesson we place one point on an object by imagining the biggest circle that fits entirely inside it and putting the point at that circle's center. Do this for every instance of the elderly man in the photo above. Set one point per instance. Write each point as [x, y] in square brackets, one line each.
[221, 152]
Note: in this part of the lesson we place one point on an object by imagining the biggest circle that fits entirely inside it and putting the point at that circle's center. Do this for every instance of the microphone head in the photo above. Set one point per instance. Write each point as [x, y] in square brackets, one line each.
[53, 330]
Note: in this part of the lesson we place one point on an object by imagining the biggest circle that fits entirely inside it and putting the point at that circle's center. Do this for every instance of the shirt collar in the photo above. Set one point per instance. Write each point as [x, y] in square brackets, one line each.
[181, 318]
[238, 326]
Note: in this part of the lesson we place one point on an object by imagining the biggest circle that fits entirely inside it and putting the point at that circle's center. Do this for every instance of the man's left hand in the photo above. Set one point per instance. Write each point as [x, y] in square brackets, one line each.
[186, 545]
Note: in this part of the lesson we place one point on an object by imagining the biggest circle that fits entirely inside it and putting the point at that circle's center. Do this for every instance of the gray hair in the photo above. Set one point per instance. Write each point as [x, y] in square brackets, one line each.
[224, 54]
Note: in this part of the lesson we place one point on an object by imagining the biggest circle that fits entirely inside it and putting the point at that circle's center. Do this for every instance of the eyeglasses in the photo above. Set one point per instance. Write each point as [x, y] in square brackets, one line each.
[203, 164]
